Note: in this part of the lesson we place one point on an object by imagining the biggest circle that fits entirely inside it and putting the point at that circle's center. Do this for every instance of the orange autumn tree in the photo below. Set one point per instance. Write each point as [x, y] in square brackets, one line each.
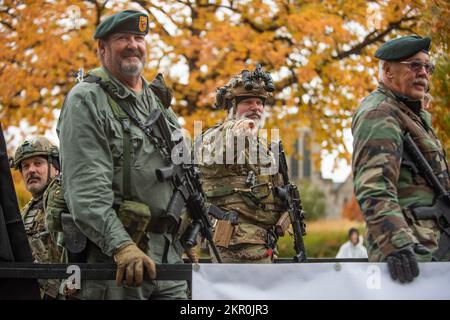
[352, 211]
[435, 23]
[23, 196]
[40, 51]
[319, 52]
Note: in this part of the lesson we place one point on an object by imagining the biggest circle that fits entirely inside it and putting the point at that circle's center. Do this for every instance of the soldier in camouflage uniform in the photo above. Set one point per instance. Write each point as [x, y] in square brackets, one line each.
[245, 187]
[386, 184]
[37, 160]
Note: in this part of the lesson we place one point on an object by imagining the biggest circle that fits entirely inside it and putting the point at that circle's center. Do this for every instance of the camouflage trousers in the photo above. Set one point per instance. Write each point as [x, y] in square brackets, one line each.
[245, 253]
[49, 288]
[149, 290]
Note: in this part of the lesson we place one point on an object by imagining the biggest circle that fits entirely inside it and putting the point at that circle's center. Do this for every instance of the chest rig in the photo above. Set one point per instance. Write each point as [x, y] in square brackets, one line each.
[242, 186]
[125, 117]
[136, 216]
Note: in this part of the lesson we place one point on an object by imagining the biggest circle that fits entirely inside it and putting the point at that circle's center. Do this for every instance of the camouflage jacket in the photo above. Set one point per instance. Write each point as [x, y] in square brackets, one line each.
[42, 242]
[232, 180]
[386, 186]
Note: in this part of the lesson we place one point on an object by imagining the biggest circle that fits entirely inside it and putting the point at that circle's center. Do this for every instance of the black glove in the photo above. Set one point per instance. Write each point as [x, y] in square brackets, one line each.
[403, 264]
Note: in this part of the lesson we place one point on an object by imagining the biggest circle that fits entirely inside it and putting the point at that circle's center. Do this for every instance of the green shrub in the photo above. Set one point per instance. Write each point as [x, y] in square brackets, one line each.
[323, 244]
[313, 201]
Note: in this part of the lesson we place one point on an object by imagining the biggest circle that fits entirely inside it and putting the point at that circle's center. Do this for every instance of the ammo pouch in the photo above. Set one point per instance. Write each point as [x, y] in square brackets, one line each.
[58, 219]
[74, 240]
[223, 233]
[252, 196]
[135, 217]
[282, 224]
[54, 205]
[225, 224]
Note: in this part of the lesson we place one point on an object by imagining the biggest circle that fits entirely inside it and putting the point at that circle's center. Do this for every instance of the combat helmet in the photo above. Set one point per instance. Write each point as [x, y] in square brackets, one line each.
[257, 83]
[38, 146]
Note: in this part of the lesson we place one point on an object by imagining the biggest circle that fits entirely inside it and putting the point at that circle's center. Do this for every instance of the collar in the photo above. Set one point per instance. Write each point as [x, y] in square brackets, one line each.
[37, 199]
[414, 105]
[123, 91]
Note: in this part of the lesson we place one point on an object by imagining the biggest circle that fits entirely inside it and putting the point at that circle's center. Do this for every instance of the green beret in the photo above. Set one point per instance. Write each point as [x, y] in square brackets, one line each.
[128, 21]
[403, 47]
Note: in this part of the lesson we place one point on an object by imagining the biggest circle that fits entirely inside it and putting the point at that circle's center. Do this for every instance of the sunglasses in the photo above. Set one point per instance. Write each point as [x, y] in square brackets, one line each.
[416, 66]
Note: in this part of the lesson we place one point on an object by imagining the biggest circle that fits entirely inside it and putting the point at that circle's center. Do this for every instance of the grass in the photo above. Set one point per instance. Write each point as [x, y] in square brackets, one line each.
[323, 239]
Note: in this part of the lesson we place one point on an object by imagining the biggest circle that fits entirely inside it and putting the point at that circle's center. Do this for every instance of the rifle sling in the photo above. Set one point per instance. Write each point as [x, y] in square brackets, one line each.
[123, 115]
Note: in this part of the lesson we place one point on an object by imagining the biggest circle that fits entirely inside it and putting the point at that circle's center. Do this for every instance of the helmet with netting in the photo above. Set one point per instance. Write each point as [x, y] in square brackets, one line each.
[247, 84]
[38, 146]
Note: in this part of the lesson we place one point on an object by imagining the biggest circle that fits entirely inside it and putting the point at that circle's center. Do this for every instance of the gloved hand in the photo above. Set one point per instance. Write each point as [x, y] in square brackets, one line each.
[402, 264]
[191, 254]
[130, 262]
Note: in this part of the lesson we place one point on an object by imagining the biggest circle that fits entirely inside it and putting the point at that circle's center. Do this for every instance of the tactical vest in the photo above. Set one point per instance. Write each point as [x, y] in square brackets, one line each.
[241, 187]
[42, 242]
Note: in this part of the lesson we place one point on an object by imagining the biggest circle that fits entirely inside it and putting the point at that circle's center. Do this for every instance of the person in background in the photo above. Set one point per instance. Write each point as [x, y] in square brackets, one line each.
[354, 247]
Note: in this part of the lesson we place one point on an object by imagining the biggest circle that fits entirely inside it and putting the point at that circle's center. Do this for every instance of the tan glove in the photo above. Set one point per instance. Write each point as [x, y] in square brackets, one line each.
[130, 262]
[192, 255]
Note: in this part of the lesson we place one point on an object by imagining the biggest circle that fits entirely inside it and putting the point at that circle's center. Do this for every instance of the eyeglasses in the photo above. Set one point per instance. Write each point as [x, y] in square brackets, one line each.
[416, 66]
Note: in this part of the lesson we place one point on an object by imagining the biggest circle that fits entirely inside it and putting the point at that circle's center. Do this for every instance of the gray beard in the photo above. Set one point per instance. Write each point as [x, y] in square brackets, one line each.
[131, 69]
[37, 191]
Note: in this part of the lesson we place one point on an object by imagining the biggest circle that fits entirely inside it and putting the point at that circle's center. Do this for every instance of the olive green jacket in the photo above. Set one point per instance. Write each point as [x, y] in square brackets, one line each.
[91, 148]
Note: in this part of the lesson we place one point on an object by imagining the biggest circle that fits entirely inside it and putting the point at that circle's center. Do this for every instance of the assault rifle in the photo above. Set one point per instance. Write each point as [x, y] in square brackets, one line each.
[290, 196]
[188, 190]
[440, 210]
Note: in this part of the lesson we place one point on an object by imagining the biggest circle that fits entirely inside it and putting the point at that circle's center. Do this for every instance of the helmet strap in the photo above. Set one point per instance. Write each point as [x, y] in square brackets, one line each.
[233, 109]
[49, 166]
[231, 112]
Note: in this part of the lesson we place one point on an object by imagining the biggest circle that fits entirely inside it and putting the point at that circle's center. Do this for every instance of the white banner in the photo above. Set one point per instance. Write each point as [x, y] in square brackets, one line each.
[335, 281]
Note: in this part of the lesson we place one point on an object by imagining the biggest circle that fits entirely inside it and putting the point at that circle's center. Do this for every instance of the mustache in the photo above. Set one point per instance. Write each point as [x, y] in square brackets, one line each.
[32, 176]
[132, 53]
[253, 114]
[421, 81]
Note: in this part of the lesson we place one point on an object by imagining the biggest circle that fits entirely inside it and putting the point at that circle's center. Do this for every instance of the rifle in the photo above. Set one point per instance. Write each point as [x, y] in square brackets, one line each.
[290, 196]
[440, 210]
[188, 190]
[14, 246]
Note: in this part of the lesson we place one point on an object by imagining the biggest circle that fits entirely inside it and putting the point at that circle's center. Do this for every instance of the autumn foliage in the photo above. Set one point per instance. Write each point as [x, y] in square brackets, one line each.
[23, 196]
[352, 211]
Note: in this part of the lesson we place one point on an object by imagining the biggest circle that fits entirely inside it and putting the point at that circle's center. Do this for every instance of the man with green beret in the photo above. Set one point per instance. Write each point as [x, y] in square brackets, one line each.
[387, 184]
[108, 167]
